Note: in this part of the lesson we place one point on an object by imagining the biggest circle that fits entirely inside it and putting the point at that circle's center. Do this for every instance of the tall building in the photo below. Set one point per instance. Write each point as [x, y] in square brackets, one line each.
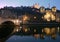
[36, 5]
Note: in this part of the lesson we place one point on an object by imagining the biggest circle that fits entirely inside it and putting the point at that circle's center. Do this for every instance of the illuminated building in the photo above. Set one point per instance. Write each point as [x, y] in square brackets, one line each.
[42, 9]
[36, 5]
[35, 14]
[54, 9]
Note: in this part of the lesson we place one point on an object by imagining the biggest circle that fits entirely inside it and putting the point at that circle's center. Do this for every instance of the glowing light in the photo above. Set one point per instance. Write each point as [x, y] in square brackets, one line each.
[16, 21]
[54, 9]
[42, 30]
[25, 18]
[17, 30]
[58, 29]
[20, 27]
[52, 17]
[49, 16]
[26, 30]
[34, 17]
[34, 30]
[20, 21]
[47, 31]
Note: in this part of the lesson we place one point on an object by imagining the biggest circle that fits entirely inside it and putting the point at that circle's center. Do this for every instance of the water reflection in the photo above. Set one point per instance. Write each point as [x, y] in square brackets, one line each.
[39, 31]
[35, 32]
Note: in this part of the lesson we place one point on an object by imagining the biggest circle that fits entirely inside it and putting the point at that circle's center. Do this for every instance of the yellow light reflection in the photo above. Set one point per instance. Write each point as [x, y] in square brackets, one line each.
[36, 36]
[25, 29]
[53, 30]
[34, 30]
[58, 29]
[47, 31]
[53, 36]
[42, 36]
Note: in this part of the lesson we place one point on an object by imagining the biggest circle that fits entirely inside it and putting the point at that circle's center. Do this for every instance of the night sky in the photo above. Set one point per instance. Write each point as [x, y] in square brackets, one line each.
[16, 3]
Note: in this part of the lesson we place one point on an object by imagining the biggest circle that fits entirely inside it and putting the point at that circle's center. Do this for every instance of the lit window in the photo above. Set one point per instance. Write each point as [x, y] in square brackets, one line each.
[35, 17]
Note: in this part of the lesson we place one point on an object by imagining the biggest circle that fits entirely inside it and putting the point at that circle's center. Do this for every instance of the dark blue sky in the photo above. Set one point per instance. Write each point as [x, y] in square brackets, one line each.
[29, 3]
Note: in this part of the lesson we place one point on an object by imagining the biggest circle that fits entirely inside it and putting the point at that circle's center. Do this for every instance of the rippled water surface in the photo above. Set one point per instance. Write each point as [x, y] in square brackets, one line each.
[36, 34]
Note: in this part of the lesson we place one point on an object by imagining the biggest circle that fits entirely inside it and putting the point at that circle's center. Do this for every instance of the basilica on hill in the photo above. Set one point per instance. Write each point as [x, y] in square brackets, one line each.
[49, 13]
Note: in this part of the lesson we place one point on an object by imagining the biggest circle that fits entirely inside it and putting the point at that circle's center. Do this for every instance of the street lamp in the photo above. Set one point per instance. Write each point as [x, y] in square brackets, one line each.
[25, 18]
[16, 21]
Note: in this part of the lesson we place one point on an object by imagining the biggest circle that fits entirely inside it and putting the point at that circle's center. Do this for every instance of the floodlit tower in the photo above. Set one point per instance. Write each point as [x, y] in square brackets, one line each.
[42, 9]
[54, 9]
[36, 5]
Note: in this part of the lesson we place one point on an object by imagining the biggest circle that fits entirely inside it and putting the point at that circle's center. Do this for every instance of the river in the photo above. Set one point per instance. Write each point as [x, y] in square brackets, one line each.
[36, 33]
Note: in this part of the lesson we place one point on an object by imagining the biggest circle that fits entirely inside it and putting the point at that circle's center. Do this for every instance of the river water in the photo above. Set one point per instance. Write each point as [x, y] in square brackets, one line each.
[33, 33]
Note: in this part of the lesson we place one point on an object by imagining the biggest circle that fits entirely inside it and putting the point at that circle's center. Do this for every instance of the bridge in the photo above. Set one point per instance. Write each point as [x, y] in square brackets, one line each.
[12, 26]
[15, 21]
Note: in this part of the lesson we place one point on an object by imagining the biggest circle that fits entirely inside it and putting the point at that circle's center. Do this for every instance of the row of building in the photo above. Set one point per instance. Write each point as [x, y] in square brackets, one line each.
[31, 13]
